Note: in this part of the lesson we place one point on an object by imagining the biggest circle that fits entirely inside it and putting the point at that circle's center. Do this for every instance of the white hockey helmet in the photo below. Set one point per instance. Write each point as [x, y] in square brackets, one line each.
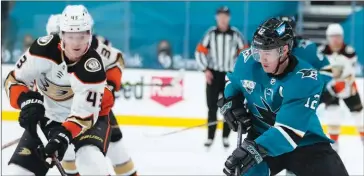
[75, 18]
[334, 29]
[53, 24]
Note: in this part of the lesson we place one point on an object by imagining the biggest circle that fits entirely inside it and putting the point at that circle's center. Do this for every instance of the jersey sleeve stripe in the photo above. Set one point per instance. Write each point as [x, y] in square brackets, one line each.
[297, 132]
[202, 49]
[73, 127]
[13, 89]
[84, 123]
[287, 136]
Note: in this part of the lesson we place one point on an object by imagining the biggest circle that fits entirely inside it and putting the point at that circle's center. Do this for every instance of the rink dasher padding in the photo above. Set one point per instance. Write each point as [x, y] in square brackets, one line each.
[168, 122]
[180, 105]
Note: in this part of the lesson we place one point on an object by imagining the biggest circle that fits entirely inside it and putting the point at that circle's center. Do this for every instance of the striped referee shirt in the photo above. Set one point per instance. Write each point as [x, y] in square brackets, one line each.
[218, 50]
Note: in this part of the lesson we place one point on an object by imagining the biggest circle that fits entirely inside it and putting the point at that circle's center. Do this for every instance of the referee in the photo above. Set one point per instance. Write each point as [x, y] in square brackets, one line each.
[216, 54]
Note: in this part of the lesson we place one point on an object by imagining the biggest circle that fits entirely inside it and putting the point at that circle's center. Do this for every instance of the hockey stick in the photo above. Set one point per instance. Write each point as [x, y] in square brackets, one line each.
[239, 140]
[15, 141]
[183, 129]
[44, 140]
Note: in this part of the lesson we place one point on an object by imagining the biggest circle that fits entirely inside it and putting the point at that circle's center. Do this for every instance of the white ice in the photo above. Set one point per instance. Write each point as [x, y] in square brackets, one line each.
[182, 153]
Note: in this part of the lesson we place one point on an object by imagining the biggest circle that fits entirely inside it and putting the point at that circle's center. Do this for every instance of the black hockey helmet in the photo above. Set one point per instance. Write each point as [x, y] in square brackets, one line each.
[291, 20]
[273, 33]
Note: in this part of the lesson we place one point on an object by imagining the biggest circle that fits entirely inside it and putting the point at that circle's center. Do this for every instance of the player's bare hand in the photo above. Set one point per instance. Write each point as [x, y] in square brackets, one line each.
[209, 77]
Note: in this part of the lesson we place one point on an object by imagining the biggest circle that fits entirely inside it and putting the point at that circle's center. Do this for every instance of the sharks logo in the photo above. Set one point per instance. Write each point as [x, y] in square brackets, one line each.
[266, 113]
[308, 73]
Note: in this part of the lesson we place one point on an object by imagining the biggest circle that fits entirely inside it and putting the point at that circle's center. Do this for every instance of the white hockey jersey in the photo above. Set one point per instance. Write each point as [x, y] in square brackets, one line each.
[74, 93]
[342, 69]
[113, 61]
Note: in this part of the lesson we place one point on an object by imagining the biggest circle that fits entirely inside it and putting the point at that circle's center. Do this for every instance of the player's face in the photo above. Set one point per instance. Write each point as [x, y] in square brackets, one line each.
[269, 59]
[76, 43]
[335, 40]
[223, 20]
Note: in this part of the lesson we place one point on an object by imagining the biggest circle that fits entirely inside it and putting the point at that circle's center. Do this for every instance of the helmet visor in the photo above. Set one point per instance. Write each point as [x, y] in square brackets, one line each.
[266, 56]
[78, 38]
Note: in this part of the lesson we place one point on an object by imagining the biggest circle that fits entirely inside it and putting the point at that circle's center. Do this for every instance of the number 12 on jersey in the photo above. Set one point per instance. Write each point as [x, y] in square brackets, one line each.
[312, 103]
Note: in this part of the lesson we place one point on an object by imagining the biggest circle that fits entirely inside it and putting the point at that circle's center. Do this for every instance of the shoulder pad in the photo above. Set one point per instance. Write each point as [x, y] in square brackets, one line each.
[45, 40]
[90, 68]
[47, 47]
[349, 49]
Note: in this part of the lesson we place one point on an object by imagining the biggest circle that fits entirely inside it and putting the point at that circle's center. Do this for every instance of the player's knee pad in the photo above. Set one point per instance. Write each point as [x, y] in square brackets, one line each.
[91, 161]
[15, 169]
[117, 153]
[116, 134]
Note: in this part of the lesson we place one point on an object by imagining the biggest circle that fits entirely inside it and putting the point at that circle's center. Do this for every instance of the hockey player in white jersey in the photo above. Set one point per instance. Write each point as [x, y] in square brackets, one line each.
[342, 58]
[72, 102]
[114, 63]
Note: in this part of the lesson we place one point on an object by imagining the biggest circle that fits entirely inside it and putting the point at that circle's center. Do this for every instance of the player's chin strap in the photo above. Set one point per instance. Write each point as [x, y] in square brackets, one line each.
[279, 60]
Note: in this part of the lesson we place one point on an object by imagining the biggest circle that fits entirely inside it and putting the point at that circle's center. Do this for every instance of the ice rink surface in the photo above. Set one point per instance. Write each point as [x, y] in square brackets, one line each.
[182, 153]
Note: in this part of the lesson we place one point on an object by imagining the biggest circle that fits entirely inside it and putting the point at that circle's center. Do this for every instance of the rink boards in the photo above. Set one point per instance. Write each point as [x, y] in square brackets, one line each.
[166, 99]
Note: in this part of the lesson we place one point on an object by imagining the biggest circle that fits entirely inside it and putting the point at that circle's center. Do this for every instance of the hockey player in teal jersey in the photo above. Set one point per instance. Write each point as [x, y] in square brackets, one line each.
[307, 49]
[282, 93]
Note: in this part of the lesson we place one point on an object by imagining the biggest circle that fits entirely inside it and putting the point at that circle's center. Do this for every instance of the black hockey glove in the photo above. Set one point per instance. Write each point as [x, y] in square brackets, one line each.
[32, 110]
[234, 112]
[247, 156]
[60, 138]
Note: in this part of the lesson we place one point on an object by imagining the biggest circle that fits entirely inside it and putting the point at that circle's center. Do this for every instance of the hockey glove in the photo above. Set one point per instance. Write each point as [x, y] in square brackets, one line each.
[247, 156]
[234, 111]
[32, 109]
[60, 138]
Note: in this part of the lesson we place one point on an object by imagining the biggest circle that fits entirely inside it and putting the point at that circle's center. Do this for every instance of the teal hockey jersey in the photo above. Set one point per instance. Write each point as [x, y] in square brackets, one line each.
[307, 50]
[283, 107]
